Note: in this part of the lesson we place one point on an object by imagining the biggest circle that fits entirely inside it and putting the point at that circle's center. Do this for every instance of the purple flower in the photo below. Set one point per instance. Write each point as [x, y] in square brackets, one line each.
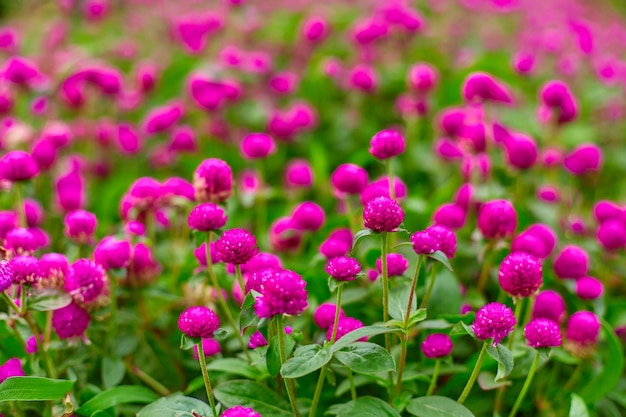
[143, 268]
[86, 281]
[6, 275]
[80, 225]
[282, 292]
[25, 270]
[240, 411]
[494, 321]
[605, 210]
[451, 216]
[257, 340]
[589, 288]
[206, 217]
[308, 216]
[521, 151]
[112, 253]
[211, 347]
[387, 144]
[70, 321]
[343, 268]
[497, 219]
[422, 78]
[53, 268]
[298, 174]
[433, 239]
[363, 77]
[611, 234]
[163, 118]
[236, 246]
[198, 321]
[21, 241]
[382, 214]
[583, 328]
[538, 240]
[12, 367]
[333, 247]
[396, 265]
[549, 305]
[324, 315]
[480, 87]
[585, 158]
[257, 145]
[284, 236]
[314, 29]
[437, 345]
[542, 333]
[32, 345]
[34, 212]
[349, 179]
[556, 95]
[571, 263]
[213, 181]
[520, 274]
[18, 166]
[345, 326]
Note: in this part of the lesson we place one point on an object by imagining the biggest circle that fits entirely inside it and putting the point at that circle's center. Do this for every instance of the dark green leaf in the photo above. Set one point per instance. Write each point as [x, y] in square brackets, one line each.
[247, 316]
[306, 359]
[360, 235]
[113, 371]
[187, 342]
[436, 406]
[504, 357]
[176, 406]
[124, 394]
[252, 394]
[441, 257]
[578, 408]
[461, 328]
[49, 299]
[355, 335]
[234, 366]
[364, 407]
[487, 381]
[34, 388]
[220, 334]
[366, 358]
[272, 358]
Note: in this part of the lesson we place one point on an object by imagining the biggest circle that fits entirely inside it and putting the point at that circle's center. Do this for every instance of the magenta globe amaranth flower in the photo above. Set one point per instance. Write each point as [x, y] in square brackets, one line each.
[583, 329]
[240, 411]
[12, 367]
[18, 166]
[480, 87]
[6, 275]
[556, 96]
[324, 315]
[611, 234]
[112, 253]
[387, 144]
[298, 174]
[345, 326]
[206, 217]
[198, 322]
[236, 246]
[282, 292]
[21, 241]
[349, 179]
[284, 236]
[314, 29]
[542, 333]
[80, 225]
[396, 265]
[210, 347]
[257, 340]
[451, 216]
[520, 274]
[213, 181]
[521, 151]
[86, 281]
[571, 263]
[433, 239]
[25, 269]
[589, 288]
[343, 268]
[549, 304]
[53, 268]
[70, 321]
[333, 247]
[382, 214]
[308, 216]
[538, 240]
[584, 159]
[497, 219]
[437, 345]
[422, 78]
[494, 321]
[257, 145]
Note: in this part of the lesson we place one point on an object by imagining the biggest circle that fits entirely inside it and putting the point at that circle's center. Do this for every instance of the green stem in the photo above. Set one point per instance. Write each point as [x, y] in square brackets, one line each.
[420, 261]
[7, 298]
[147, 379]
[392, 188]
[113, 318]
[19, 204]
[484, 272]
[433, 381]
[404, 340]
[205, 376]
[385, 282]
[474, 375]
[261, 206]
[22, 300]
[519, 305]
[240, 278]
[431, 284]
[318, 390]
[352, 387]
[526, 385]
[404, 343]
[291, 389]
[337, 311]
[350, 214]
[220, 297]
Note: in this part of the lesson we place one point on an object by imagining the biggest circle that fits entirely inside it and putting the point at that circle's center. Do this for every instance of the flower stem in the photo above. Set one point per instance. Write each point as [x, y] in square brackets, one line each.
[519, 305]
[291, 389]
[474, 375]
[431, 284]
[337, 311]
[220, 297]
[318, 391]
[350, 214]
[205, 376]
[155, 385]
[484, 272]
[526, 385]
[392, 188]
[240, 278]
[113, 318]
[433, 381]
[385, 282]
[19, 204]
[352, 387]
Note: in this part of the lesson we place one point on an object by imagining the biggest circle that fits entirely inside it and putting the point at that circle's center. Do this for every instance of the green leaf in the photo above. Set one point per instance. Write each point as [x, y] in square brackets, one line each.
[34, 388]
[487, 381]
[366, 358]
[272, 358]
[306, 359]
[436, 406]
[49, 299]
[604, 382]
[504, 357]
[364, 407]
[398, 301]
[113, 371]
[187, 342]
[100, 413]
[252, 394]
[176, 406]
[355, 335]
[578, 408]
[417, 316]
[441, 257]
[461, 329]
[234, 366]
[124, 394]
[247, 316]
[358, 236]
[220, 334]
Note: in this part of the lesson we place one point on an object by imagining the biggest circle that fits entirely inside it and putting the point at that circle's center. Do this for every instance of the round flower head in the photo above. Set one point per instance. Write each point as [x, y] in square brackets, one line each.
[12, 367]
[556, 96]
[298, 174]
[437, 345]
[261, 260]
[198, 321]
[396, 265]
[31, 345]
[257, 145]
[18, 166]
[349, 179]
[53, 268]
[213, 181]
[284, 236]
[387, 144]
[343, 268]
[86, 281]
[6, 275]
[25, 269]
[333, 247]
[282, 292]
[70, 321]
[8, 222]
[494, 321]
[308, 216]
[382, 214]
[112, 253]
[583, 328]
[542, 333]
[571, 263]
[451, 216]
[497, 219]
[479, 87]
[257, 340]
[211, 347]
[521, 151]
[21, 241]
[605, 210]
[611, 234]
[314, 29]
[549, 305]
[363, 77]
[324, 315]
[345, 326]
[206, 217]
[145, 193]
[143, 268]
[583, 159]
[236, 246]
[589, 288]
[240, 411]
[34, 213]
[422, 78]
[433, 239]
[520, 274]
[80, 225]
